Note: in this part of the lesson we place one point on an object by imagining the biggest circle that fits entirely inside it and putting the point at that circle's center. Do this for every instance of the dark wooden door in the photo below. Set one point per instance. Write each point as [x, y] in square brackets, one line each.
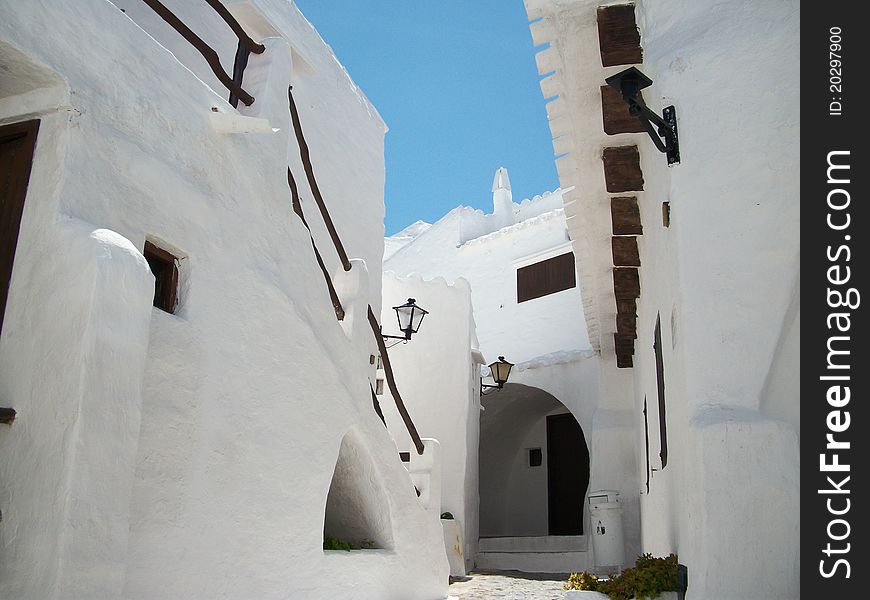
[567, 474]
[17, 142]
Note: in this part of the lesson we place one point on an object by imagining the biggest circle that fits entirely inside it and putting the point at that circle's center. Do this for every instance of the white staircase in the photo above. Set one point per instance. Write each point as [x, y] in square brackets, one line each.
[538, 554]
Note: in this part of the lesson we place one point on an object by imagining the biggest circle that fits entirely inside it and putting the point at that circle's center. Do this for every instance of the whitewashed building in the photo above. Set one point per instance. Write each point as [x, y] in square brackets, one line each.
[185, 367]
[690, 273]
[549, 437]
[437, 371]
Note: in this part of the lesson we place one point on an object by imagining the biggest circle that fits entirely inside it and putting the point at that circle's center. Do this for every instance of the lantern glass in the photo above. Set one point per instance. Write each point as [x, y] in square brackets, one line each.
[500, 370]
[410, 316]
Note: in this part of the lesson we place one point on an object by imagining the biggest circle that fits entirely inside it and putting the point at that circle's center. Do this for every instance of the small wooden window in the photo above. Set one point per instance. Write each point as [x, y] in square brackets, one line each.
[165, 268]
[536, 457]
[660, 380]
[546, 277]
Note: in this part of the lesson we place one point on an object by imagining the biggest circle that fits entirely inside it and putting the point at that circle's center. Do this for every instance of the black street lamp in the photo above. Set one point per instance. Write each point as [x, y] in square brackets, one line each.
[500, 371]
[629, 83]
[409, 316]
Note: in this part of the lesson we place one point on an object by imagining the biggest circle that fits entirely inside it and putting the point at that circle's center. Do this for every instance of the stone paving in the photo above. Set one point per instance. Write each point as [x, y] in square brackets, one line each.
[512, 585]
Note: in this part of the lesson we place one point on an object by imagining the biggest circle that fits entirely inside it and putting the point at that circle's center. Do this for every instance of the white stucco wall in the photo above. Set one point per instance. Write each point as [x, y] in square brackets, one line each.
[488, 261]
[547, 339]
[575, 380]
[159, 455]
[723, 277]
[436, 373]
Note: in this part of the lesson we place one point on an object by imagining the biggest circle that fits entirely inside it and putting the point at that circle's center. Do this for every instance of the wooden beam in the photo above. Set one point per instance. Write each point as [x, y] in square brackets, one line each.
[626, 324]
[625, 252]
[207, 51]
[623, 342]
[391, 382]
[626, 283]
[297, 208]
[624, 346]
[618, 36]
[626, 305]
[624, 361]
[244, 39]
[625, 216]
[622, 171]
[305, 155]
[614, 111]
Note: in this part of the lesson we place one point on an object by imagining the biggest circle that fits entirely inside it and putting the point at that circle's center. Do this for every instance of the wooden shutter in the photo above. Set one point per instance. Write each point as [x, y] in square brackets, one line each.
[546, 277]
[165, 271]
[17, 142]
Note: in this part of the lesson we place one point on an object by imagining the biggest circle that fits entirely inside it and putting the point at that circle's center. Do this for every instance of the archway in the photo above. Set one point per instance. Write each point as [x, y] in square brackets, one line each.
[357, 511]
[534, 465]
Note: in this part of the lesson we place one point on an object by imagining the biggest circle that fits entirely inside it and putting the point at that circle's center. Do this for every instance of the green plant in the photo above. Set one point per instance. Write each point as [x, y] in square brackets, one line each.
[447, 515]
[655, 575]
[331, 543]
[648, 578]
[581, 581]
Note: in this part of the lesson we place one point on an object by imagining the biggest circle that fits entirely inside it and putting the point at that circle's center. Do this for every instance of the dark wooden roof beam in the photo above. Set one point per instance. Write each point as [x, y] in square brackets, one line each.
[625, 252]
[625, 216]
[618, 36]
[626, 283]
[622, 172]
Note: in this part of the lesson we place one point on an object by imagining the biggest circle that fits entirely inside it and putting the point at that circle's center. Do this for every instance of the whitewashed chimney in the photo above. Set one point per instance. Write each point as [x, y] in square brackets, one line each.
[502, 199]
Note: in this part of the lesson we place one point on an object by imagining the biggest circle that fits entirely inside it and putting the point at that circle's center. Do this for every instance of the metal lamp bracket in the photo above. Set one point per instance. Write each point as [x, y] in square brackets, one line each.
[661, 130]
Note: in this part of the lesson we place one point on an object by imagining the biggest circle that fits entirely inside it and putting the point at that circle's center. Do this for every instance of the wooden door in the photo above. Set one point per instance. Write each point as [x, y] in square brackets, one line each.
[567, 474]
[17, 142]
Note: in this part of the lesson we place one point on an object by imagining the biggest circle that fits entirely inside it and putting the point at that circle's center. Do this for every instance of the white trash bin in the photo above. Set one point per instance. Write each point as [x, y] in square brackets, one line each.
[608, 545]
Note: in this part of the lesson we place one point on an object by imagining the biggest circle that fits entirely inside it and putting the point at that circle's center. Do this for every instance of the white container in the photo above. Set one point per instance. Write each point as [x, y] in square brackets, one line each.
[454, 545]
[608, 545]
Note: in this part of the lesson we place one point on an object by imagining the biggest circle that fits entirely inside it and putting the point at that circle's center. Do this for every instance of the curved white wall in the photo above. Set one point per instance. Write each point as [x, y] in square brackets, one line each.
[437, 376]
[246, 393]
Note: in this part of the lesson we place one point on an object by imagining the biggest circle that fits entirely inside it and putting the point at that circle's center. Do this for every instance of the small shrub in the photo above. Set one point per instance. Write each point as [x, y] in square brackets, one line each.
[331, 543]
[446, 515]
[581, 581]
[648, 578]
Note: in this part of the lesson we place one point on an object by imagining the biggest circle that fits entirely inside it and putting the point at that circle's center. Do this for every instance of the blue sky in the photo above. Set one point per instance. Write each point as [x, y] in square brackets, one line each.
[456, 82]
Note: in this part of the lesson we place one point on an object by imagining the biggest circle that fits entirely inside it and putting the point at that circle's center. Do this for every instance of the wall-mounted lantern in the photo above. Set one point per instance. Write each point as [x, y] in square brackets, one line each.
[629, 83]
[500, 371]
[409, 316]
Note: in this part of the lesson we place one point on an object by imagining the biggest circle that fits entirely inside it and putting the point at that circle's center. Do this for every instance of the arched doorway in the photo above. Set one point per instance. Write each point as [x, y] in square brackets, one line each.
[534, 465]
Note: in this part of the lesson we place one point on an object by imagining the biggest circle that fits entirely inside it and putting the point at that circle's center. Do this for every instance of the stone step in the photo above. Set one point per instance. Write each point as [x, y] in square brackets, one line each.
[542, 543]
[533, 562]
[534, 554]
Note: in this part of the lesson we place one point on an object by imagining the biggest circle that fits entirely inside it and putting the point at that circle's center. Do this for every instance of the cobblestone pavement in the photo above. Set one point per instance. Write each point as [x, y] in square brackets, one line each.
[512, 585]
